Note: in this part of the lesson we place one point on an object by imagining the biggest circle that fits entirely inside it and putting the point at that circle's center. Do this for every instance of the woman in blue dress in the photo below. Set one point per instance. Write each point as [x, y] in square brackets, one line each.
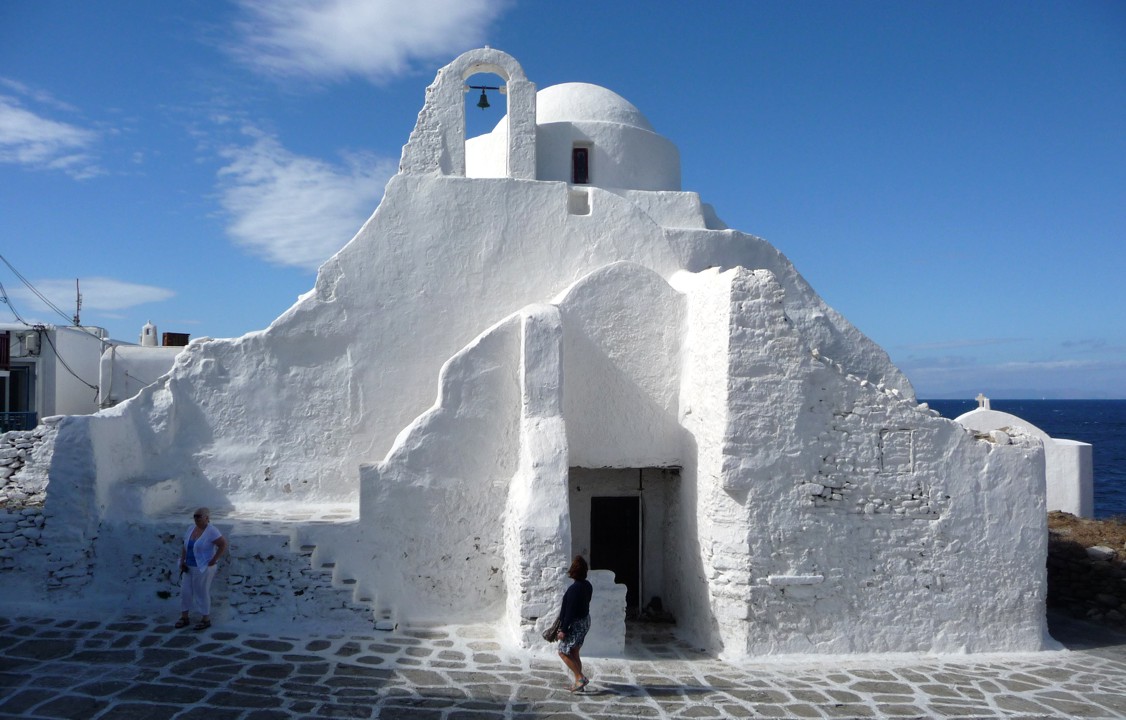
[574, 619]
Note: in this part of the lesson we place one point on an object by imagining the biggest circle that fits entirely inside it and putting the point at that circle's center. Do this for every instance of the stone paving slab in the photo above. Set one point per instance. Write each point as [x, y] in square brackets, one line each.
[140, 669]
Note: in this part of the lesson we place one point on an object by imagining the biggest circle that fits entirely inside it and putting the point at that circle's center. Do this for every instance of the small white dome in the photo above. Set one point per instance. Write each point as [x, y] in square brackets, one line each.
[624, 151]
[583, 102]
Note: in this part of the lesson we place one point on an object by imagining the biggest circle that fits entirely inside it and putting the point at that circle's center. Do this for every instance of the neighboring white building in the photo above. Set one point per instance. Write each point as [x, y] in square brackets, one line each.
[125, 369]
[50, 370]
[47, 370]
[1068, 467]
[539, 345]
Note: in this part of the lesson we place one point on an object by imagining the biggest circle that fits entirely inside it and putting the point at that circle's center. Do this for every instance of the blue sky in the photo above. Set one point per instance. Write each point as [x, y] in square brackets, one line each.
[951, 176]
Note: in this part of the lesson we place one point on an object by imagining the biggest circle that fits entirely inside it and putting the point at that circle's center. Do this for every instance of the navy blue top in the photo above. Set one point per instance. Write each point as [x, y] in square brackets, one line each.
[576, 604]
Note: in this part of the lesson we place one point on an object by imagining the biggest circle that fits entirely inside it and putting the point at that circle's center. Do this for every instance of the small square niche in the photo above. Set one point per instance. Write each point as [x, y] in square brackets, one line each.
[578, 202]
[897, 452]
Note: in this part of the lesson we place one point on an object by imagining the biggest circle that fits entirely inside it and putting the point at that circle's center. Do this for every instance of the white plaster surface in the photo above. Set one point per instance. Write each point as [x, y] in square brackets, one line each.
[1068, 463]
[481, 339]
[125, 369]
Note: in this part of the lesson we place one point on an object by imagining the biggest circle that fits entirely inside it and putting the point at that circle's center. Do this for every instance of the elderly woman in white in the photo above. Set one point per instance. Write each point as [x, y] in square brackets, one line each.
[203, 546]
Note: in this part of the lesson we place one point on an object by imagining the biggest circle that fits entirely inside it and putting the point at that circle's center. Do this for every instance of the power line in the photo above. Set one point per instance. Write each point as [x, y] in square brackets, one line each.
[35, 291]
[47, 337]
[8, 301]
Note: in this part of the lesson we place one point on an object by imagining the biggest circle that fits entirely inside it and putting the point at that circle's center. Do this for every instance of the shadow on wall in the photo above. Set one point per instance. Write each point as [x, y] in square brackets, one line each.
[688, 596]
[144, 469]
[611, 420]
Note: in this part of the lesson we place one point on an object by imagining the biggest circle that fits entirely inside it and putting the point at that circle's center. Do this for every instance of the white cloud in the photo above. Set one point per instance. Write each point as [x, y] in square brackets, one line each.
[963, 343]
[1027, 365]
[38, 142]
[40, 97]
[295, 210]
[102, 294]
[966, 376]
[370, 38]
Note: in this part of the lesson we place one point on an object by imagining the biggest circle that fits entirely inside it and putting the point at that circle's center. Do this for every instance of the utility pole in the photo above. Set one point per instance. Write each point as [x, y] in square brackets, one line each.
[77, 303]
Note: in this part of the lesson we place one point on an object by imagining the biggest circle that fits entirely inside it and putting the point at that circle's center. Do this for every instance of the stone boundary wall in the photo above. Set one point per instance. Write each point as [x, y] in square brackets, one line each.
[262, 576]
[21, 529]
[21, 498]
[1087, 582]
[16, 448]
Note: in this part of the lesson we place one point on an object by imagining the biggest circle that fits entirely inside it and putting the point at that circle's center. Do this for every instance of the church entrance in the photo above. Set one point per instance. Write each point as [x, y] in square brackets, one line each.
[619, 522]
[615, 543]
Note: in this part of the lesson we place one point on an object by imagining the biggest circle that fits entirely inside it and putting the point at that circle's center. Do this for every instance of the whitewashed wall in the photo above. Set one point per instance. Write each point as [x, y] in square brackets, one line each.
[622, 330]
[1067, 463]
[288, 414]
[431, 541]
[63, 391]
[125, 369]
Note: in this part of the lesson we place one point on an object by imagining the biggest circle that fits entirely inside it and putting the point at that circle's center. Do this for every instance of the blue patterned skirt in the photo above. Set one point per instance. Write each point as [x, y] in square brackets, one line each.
[575, 638]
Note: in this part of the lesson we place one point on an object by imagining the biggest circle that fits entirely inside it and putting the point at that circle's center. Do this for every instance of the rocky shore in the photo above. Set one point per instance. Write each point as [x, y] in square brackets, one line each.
[1087, 568]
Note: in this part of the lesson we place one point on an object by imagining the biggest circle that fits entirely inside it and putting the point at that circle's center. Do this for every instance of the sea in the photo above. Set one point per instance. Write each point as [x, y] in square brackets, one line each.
[1102, 423]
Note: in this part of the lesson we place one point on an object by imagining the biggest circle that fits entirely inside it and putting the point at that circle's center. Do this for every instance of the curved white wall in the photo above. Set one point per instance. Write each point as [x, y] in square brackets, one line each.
[1067, 463]
[621, 156]
[622, 328]
[125, 369]
[624, 151]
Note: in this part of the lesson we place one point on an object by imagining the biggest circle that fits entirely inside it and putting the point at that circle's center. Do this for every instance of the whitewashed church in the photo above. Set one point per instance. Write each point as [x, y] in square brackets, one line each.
[539, 345]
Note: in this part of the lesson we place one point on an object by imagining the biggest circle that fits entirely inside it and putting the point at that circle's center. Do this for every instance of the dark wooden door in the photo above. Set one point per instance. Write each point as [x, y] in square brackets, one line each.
[615, 541]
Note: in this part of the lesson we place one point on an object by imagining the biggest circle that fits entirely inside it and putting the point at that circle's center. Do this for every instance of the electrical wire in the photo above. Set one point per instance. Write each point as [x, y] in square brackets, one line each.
[70, 320]
[47, 337]
[34, 290]
[8, 301]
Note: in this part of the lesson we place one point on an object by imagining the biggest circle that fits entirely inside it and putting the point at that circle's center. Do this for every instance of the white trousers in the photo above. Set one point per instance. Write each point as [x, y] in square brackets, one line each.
[195, 589]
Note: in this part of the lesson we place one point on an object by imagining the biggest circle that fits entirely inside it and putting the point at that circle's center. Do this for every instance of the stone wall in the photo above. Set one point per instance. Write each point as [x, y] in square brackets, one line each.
[16, 449]
[262, 578]
[1087, 582]
[21, 497]
[20, 530]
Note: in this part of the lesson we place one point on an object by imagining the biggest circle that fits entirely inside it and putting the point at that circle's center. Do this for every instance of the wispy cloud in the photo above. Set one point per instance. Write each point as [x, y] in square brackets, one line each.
[38, 142]
[1093, 346]
[333, 39]
[102, 294]
[1061, 377]
[1032, 365]
[41, 97]
[296, 210]
[962, 343]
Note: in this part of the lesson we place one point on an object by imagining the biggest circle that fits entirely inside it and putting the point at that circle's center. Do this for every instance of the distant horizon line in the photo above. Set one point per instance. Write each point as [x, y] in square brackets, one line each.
[962, 398]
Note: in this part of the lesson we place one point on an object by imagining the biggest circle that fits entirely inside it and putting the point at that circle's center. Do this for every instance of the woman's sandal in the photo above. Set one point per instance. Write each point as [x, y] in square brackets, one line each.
[181, 623]
[202, 625]
[580, 686]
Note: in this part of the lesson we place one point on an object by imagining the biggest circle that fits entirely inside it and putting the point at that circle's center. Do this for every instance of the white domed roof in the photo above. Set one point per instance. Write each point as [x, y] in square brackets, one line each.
[579, 102]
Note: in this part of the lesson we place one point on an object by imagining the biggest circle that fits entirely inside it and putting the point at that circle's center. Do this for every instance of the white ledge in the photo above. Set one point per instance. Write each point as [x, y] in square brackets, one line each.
[795, 579]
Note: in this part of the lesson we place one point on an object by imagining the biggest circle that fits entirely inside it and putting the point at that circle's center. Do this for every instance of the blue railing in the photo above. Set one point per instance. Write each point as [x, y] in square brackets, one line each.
[17, 421]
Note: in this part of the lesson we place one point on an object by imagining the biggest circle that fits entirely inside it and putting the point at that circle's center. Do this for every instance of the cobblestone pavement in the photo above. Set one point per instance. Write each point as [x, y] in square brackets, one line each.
[138, 668]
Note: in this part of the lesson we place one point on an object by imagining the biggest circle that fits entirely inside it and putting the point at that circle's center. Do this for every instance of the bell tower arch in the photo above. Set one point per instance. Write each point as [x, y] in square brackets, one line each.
[437, 143]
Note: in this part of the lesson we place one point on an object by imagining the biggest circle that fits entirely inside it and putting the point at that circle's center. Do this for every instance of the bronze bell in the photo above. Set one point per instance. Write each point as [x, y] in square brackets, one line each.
[483, 102]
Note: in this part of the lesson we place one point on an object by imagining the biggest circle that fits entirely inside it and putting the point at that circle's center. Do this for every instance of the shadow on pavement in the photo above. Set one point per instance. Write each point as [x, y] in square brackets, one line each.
[1076, 634]
[656, 691]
